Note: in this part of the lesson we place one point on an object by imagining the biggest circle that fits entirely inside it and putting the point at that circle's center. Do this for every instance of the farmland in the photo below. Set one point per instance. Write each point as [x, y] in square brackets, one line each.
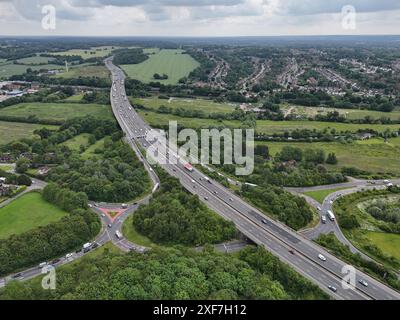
[10, 131]
[27, 212]
[57, 111]
[173, 63]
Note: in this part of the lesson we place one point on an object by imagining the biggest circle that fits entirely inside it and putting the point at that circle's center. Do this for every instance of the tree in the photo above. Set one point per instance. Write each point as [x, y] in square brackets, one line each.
[332, 159]
[24, 180]
[290, 153]
[22, 165]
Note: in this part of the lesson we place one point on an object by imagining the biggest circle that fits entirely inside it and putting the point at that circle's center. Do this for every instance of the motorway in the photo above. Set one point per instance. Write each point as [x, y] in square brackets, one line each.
[291, 247]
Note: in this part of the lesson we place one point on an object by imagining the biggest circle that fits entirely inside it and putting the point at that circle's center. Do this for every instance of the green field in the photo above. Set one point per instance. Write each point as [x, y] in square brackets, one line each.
[77, 141]
[35, 60]
[372, 155]
[387, 242]
[265, 126]
[11, 69]
[97, 52]
[57, 111]
[208, 106]
[320, 195]
[158, 119]
[85, 71]
[10, 131]
[89, 152]
[132, 235]
[75, 98]
[270, 127]
[6, 167]
[351, 114]
[27, 212]
[173, 63]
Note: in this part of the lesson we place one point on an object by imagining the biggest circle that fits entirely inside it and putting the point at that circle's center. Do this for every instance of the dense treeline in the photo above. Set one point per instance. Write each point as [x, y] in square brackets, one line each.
[80, 81]
[114, 175]
[118, 176]
[129, 56]
[385, 274]
[388, 212]
[174, 216]
[291, 210]
[172, 274]
[348, 101]
[44, 243]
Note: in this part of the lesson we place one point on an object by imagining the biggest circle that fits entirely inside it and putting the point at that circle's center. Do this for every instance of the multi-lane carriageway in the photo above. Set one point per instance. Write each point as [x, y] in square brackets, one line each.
[288, 245]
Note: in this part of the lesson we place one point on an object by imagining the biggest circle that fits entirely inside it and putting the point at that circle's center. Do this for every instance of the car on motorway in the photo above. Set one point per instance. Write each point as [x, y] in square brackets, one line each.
[206, 198]
[230, 199]
[332, 288]
[319, 208]
[18, 275]
[109, 226]
[103, 215]
[95, 245]
[42, 265]
[55, 261]
[331, 202]
[363, 282]
[291, 251]
[264, 221]
[69, 255]
[323, 219]
[321, 257]
[90, 205]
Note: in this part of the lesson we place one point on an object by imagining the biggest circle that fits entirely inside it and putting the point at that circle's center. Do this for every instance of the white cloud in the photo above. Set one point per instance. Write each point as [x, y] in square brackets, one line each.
[198, 17]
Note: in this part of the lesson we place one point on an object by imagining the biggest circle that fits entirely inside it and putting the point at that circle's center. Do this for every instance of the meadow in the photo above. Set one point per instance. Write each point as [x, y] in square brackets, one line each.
[26, 213]
[11, 131]
[96, 52]
[387, 242]
[85, 70]
[10, 69]
[265, 126]
[57, 111]
[173, 63]
[77, 141]
[351, 114]
[207, 106]
[35, 60]
[320, 195]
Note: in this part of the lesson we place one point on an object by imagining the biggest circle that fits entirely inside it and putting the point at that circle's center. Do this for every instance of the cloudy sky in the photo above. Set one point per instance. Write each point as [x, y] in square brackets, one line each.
[200, 17]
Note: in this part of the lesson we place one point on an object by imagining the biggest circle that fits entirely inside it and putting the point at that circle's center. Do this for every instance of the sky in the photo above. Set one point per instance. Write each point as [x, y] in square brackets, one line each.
[200, 18]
